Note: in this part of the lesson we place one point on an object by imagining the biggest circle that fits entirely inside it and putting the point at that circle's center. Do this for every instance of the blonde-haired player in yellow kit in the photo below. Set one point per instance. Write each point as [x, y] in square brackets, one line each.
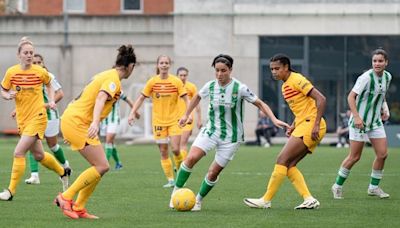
[23, 82]
[307, 130]
[165, 90]
[80, 125]
[191, 90]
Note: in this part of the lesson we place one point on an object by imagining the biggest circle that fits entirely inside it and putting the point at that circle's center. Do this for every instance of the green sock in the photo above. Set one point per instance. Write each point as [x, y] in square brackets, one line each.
[183, 175]
[58, 153]
[376, 176]
[343, 173]
[109, 151]
[206, 187]
[115, 154]
[33, 164]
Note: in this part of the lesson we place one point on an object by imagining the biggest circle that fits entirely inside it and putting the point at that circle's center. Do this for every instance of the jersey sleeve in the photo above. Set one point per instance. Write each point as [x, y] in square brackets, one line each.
[6, 82]
[148, 88]
[247, 94]
[303, 85]
[361, 83]
[110, 87]
[181, 89]
[54, 83]
[205, 91]
[123, 96]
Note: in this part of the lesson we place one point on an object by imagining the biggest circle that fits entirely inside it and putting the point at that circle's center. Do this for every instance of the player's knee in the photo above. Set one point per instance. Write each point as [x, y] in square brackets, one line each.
[103, 168]
[382, 156]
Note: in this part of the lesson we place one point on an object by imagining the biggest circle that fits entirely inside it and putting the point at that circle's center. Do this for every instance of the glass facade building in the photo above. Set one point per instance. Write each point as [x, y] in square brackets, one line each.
[332, 64]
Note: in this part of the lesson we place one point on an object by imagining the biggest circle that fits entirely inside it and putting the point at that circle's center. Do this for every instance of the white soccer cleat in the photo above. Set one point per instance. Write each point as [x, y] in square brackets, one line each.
[6, 195]
[170, 184]
[378, 192]
[257, 203]
[33, 180]
[65, 178]
[197, 206]
[310, 203]
[337, 192]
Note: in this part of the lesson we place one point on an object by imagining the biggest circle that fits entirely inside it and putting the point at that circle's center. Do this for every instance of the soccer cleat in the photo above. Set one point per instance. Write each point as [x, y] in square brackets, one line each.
[378, 192]
[84, 214]
[118, 166]
[197, 206]
[170, 184]
[33, 180]
[337, 192]
[67, 166]
[6, 195]
[65, 178]
[310, 203]
[65, 206]
[257, 203]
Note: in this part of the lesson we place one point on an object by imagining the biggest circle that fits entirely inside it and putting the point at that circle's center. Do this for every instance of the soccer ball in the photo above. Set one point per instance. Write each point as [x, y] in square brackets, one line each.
[183, 199]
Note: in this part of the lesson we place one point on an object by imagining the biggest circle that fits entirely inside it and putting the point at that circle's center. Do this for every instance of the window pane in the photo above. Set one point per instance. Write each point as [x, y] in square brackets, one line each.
[292, 46]
[131, 4]
[75, 5]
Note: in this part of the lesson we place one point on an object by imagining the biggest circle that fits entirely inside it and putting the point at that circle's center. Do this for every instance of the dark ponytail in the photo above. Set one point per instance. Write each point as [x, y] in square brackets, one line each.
[126, 55]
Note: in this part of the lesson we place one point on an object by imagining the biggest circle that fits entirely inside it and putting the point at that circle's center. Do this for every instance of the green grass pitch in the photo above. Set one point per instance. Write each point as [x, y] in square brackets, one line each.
[134, 197]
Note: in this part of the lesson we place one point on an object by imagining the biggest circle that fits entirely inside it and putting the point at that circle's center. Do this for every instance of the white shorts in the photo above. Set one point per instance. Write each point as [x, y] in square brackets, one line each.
[53, 128]
[356, 135]
[110, 128]
[225, 151]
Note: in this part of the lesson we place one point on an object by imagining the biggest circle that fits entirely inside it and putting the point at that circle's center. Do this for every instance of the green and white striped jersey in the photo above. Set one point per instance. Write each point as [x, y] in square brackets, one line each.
[51, 113]
[371, 90]
[114, 116]
[225, 111]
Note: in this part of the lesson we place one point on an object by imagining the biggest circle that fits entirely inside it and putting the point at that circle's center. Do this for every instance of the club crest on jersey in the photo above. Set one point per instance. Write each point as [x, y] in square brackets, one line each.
[18, 88]
[157, 95]
[234, 95]
[112, 87]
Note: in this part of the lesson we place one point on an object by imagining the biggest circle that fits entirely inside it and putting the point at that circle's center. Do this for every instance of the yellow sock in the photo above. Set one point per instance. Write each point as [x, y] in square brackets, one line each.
[298, 182]
[184, 154]
[277, 177]
[86, 178]
[17, 172]
[178, 160]
[50, 162]
[84, 195]
[167, 168]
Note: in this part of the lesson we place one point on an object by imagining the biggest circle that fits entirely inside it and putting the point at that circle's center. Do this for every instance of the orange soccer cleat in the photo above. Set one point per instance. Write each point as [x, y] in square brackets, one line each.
[65, 206]
[84, 214]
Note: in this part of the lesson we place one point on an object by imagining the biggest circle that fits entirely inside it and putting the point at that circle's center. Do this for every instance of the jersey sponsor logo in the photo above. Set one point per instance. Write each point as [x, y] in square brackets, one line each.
[112, 87]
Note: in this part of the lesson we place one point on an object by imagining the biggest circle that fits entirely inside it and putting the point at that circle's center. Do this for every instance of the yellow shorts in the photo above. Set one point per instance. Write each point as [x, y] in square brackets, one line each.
[303, 130]
[33, 127]
[163, 132]
[188, 127]
[77, 134]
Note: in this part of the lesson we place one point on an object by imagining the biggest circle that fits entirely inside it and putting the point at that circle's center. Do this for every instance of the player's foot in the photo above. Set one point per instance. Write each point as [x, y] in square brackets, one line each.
[34, 179]
[309, 203]
[337, 192]
[257, 203]
[6, 195]
[197, 206]
[118, 166]
[170, 184]
[84, 214]
[67, 166]
[65, 206]
[378, 192]
[65, 178]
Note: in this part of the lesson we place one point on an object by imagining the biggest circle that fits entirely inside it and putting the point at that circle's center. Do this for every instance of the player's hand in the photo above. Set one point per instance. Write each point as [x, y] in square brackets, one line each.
[182, 122]
[52, 105]
[315, 132]
[358, 122]
[280, 124]
[13, 114]
[289, 131]
[93, 130]
[133, 117]
[385, 116]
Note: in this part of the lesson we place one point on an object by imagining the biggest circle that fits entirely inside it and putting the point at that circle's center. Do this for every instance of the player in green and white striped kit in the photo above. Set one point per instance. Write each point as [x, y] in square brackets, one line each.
[224, 129]
[109, 128]
[52, 130]
[368, 107]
